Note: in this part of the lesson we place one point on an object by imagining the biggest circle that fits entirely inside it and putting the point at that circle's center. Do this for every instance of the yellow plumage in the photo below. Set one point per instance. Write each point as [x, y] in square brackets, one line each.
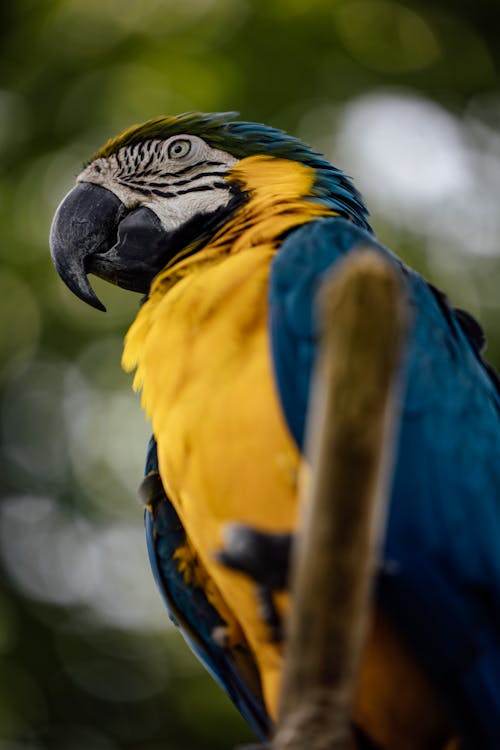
[201, 348]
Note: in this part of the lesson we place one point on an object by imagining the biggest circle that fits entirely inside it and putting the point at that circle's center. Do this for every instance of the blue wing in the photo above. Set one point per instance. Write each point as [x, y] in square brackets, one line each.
[232, 667]
[443, 534]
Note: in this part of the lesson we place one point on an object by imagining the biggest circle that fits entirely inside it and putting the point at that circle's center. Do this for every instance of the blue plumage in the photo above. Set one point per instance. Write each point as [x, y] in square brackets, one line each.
[443, 534]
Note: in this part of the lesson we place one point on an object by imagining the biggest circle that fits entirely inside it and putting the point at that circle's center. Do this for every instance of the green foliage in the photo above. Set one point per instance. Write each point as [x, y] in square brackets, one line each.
[87, 659]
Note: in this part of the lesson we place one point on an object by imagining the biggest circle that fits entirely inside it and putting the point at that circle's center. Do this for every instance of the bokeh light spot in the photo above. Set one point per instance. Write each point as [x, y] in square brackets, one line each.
[62, 558]
[420, 166]
[404, 148]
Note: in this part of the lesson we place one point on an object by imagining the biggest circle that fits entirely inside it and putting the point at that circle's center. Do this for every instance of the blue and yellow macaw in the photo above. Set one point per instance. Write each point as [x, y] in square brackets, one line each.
[228, 228]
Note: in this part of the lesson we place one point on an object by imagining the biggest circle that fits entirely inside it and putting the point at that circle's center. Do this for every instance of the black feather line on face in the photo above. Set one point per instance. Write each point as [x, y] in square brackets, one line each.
[155, 188]
[146, 191]
[165, 183]
[187, 170]
[149, 161]
[201, 188]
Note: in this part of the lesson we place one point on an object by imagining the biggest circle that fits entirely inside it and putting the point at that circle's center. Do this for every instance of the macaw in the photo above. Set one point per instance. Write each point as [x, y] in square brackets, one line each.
[228, 228]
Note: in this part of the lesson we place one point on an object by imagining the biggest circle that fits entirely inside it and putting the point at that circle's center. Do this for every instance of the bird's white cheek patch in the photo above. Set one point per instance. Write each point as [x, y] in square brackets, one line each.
[174, 212]
[193, 186]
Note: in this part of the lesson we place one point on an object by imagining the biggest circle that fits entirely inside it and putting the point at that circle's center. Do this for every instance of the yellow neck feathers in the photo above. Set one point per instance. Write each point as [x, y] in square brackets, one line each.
[277, 192]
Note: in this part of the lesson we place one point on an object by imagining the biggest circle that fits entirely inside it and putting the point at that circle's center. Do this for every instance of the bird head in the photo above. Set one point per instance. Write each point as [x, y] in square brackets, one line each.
[169, 183]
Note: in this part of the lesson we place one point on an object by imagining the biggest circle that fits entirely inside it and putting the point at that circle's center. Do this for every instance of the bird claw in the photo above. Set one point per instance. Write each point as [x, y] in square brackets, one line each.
[264, 558]
[261, 555]
[150, 491]
[269, 613]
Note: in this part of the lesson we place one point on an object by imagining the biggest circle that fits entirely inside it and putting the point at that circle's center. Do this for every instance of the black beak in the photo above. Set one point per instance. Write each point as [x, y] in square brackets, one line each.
[92, 232]
[85, 223]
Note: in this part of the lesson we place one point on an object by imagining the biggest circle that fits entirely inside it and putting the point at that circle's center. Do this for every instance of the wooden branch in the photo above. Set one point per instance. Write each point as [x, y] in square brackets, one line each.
[351, 436]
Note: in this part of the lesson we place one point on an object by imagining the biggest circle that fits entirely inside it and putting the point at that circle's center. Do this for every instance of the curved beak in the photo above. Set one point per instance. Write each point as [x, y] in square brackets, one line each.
[85, 224]
[93, 232]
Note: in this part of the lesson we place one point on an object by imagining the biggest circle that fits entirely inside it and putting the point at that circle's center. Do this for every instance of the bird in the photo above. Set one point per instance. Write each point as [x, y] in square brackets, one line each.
[228, 229]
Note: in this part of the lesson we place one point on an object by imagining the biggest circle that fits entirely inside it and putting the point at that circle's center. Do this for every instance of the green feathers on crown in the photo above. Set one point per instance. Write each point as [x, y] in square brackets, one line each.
[210, 127]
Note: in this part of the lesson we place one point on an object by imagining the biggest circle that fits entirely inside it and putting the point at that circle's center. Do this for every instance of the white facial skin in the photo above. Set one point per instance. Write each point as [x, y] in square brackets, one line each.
[176, 178]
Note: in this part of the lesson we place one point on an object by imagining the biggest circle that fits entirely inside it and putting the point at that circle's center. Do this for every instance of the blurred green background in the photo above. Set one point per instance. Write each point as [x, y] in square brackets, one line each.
[404, 97]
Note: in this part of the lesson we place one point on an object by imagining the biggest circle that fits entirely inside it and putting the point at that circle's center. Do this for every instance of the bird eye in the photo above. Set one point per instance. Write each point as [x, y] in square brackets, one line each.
[179, 148]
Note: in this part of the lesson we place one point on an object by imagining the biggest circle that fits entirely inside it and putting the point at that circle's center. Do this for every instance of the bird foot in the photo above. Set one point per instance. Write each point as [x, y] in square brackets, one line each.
[264, 558]
[269, 613]
[150, 490]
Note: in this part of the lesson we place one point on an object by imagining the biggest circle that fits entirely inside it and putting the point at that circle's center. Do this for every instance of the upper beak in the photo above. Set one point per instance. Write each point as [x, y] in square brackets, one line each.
[93, 232]
[85, 224]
